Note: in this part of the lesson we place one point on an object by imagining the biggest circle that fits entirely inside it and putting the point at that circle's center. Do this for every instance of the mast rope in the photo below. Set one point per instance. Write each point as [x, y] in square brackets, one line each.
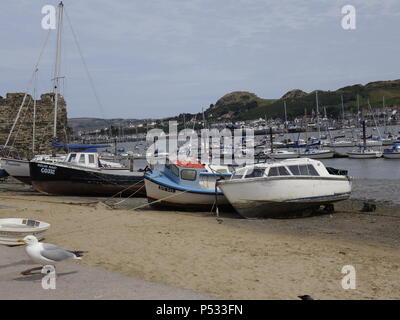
[84, 64]
[28, 89]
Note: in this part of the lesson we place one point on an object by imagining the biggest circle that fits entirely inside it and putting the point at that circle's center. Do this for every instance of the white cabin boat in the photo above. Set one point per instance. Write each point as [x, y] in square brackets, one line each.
[13, 229]
[284, 188]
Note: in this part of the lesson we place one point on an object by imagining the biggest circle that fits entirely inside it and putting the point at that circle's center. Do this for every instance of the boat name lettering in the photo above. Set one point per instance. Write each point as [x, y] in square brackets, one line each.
[47, 169]
[166, 189]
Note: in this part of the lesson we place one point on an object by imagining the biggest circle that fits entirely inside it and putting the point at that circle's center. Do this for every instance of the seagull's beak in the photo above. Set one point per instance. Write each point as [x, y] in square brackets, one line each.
[21, 240]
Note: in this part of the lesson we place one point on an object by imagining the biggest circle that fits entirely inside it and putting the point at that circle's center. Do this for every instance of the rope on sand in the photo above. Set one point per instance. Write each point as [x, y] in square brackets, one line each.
[159, 200]
[119, 202]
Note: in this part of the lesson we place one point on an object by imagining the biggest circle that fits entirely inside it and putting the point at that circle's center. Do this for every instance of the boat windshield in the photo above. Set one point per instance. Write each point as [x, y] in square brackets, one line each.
[278, 171]
[303, 170]
[72, 157]
[253, 173]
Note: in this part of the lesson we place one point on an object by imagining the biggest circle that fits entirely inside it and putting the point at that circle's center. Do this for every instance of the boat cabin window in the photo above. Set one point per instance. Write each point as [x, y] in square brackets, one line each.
[82, 158]
[174, 170]
[273, 172]
[72, 157]
[278, 171]
[283, 171]
[91, 158]
[294, 170]
[303, 170]
[312, 171]
[188, 174]
[253, 173]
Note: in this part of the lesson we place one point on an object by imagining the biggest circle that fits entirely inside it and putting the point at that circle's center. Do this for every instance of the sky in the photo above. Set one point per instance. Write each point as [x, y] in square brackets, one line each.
[159, 58]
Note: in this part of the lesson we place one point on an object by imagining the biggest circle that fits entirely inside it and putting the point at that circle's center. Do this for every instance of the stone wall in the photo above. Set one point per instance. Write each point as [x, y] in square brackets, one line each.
[21, 138]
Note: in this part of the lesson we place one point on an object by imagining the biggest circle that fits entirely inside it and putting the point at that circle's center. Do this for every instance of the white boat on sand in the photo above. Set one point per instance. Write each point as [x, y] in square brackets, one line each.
[285, 188]
[12, 229]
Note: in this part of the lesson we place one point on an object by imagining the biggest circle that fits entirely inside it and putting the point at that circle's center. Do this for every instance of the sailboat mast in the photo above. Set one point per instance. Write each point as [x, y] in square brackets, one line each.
[318, 126]
[364, 135]
[284, 105]
[358, 109]
[342, 111]
[58, 64]
[34, 113]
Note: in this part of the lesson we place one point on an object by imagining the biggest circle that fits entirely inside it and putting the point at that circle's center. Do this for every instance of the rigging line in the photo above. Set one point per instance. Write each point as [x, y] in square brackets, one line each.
[85, 65]
[159, 200]
[121, 201]
[21, 124]
[127, 188]
[30, 82]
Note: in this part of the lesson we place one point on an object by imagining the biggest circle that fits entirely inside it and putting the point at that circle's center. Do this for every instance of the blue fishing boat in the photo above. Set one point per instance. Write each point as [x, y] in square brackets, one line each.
[187, 185]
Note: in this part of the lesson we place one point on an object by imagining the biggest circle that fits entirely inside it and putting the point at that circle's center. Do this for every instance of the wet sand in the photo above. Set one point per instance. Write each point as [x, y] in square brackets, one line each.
[232, 258]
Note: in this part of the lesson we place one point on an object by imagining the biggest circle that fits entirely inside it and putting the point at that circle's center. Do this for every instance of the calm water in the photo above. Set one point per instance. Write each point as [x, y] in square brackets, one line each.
[377, 179]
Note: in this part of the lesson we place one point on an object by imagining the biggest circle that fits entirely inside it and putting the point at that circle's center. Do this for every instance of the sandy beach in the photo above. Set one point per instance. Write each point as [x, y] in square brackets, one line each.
[232, 258]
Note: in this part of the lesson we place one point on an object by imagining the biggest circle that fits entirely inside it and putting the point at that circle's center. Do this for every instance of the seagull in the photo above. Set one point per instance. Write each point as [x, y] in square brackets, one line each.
[46, 253]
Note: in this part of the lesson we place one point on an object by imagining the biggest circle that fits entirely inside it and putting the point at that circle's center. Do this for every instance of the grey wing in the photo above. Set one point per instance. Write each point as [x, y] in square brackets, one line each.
[49, 246]
[57, 254]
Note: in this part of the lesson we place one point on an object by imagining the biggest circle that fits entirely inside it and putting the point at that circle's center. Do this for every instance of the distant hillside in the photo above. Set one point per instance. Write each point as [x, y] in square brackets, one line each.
[246, 106]
[243, 105]
[78, 124]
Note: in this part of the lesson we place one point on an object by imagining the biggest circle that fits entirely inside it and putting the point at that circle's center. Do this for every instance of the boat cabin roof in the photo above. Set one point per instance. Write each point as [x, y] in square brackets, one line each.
[87, 159]
[288, 167]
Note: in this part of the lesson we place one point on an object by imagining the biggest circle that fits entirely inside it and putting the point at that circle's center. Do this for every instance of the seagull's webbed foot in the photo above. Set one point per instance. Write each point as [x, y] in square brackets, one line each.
[29, 271]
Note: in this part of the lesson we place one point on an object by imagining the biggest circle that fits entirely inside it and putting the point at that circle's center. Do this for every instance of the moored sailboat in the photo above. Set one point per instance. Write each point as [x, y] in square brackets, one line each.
[363, 152]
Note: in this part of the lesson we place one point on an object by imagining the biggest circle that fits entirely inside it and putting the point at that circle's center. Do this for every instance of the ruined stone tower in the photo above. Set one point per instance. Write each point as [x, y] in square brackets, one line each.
[21, 138]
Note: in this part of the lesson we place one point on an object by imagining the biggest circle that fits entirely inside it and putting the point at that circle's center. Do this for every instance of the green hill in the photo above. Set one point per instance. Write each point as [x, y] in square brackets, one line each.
[241, 105]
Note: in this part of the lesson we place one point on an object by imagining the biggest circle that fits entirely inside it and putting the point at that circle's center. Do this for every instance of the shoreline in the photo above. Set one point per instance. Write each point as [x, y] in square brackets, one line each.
[235, 259]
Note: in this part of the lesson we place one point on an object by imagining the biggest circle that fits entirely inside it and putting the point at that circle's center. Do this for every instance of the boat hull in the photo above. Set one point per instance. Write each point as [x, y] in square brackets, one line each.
[57, 179]
[278, 197]
[169, 197]
[282, 156]
[360, 155]
[391, 155]
[3, 174]
[318, 155]
[18, 169]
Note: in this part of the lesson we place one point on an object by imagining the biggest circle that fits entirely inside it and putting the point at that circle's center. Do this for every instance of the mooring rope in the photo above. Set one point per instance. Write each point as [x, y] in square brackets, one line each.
[123, 200]
[159, 200]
